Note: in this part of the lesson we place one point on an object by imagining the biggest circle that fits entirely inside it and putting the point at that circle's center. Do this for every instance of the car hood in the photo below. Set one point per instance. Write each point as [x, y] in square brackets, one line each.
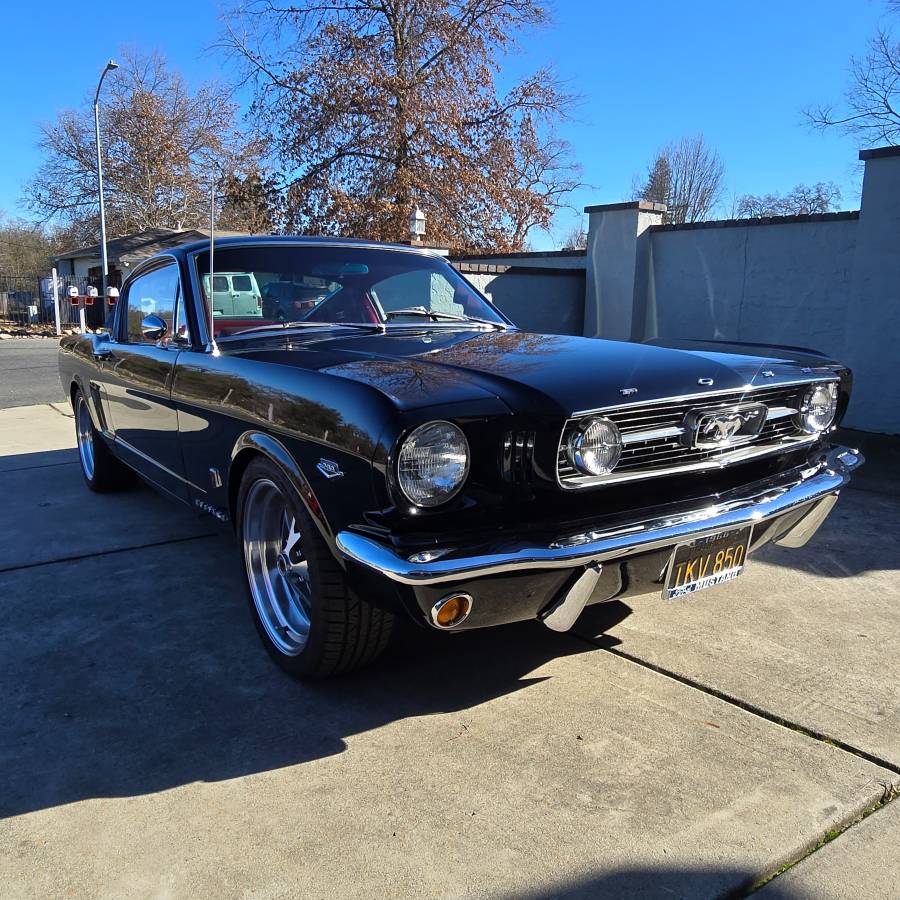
[537, 373]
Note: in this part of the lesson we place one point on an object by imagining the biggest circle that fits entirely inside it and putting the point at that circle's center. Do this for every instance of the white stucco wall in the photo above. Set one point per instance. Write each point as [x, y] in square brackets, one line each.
[616, 266]
[779, 284]
[545, 303]
[872, 323]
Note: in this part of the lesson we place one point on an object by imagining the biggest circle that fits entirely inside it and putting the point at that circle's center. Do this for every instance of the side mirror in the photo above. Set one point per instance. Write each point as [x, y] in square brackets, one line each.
[100, 348]
[153, 328]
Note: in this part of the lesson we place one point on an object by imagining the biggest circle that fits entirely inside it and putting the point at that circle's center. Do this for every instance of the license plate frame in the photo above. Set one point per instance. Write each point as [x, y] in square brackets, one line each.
[700, 559]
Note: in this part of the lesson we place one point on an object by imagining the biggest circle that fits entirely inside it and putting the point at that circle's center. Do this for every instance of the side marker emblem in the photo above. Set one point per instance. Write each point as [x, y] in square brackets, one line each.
[329, 468]
[627, 392]
[707, 381]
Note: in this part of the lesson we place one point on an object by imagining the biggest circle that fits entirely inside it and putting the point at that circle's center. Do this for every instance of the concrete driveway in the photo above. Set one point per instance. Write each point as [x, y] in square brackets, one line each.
[148, 748]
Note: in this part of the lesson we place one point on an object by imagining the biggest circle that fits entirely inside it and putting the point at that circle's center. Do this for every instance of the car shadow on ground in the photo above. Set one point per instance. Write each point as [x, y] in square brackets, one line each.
[671, 883]
[857, 537]
[141, 670]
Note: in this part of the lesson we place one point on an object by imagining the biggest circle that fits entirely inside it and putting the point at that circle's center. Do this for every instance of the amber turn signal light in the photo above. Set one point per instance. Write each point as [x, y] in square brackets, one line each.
[451, 610]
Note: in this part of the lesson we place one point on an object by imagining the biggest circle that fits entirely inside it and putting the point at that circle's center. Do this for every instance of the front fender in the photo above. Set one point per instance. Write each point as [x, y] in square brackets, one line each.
[252, 443]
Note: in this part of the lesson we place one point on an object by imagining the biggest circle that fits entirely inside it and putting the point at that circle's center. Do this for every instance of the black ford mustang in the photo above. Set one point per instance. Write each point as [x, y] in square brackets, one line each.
[387, 443]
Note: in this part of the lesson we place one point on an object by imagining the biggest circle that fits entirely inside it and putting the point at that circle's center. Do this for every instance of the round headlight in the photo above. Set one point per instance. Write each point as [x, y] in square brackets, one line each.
[433, 463]
[818, 407]
[595, 447]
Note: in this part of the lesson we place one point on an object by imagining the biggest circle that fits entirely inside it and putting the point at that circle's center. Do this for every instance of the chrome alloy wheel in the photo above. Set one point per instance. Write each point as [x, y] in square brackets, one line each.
[84, 432]
[276, 567]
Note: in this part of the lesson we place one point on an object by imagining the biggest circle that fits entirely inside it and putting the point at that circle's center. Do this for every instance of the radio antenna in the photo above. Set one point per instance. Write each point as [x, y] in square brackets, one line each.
[212, 248]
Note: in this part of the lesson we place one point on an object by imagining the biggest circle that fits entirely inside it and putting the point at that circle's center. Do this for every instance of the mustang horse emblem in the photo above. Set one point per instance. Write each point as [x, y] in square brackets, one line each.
[721, 428]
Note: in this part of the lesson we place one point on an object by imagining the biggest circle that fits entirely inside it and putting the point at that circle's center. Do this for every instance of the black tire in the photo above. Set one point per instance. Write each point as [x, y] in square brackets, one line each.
[343, 631]
[102, 472]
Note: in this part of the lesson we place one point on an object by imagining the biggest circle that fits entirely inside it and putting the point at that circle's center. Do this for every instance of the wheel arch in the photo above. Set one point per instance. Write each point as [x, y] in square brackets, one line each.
[78, 385]
[253, 444]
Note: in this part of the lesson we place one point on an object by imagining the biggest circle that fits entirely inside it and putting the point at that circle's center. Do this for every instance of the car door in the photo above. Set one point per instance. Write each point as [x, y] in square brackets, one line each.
[138, 378]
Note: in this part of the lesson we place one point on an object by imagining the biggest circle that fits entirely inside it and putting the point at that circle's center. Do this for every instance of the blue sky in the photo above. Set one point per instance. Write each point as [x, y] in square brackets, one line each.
[648, 71]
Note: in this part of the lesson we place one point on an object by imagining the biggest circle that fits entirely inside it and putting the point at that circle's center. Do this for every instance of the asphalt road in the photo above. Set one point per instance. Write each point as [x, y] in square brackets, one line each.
[28, 372]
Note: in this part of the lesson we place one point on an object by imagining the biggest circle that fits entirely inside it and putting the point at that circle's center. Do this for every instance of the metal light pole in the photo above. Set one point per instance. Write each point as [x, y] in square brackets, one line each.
[105, 268]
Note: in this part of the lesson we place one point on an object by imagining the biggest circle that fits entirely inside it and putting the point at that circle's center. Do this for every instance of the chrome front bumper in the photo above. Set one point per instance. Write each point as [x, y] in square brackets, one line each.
[814, 486]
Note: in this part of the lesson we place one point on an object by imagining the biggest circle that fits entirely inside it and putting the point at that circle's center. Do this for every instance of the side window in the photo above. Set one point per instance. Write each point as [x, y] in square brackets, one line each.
[152, 294]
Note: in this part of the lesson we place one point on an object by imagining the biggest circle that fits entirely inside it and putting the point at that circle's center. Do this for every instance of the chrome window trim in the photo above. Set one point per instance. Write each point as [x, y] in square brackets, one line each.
[155, 264]
[740, 454]
[235, 243]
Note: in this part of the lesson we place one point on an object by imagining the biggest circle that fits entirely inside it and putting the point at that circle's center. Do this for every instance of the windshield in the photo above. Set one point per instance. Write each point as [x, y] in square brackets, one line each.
[270, 285]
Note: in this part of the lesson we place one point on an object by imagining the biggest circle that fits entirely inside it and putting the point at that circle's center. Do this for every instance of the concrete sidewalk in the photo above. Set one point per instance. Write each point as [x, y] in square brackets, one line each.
[150, 748]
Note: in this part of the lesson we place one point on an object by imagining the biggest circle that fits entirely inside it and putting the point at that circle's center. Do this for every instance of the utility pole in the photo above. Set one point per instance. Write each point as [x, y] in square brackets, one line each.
[104, 265]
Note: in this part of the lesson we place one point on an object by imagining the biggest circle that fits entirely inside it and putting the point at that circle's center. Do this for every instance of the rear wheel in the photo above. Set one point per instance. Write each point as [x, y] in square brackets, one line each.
[101, 470]
[310, 621]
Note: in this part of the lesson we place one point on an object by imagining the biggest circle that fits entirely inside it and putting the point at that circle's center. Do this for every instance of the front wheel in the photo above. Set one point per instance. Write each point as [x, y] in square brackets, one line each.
[310, 621]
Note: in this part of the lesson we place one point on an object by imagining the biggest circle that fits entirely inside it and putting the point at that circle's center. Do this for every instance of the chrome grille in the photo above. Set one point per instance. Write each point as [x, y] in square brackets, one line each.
[653, 439]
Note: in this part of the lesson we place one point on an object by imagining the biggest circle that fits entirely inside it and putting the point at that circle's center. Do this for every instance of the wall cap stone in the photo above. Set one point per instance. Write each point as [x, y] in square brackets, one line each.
[763, 220]
[467, 268]
[879, 153]
[522, 254]
[644, 205]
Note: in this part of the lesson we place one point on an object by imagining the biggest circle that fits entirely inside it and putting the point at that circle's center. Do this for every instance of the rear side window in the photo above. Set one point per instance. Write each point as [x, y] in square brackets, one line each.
[220, 283]
[152, 294]
[241, 283]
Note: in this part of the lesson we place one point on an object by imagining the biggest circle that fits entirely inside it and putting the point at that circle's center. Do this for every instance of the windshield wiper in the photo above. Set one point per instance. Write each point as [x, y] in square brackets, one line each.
[436, 316]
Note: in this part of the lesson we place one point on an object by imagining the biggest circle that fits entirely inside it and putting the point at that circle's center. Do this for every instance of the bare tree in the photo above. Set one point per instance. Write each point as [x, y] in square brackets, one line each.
[162, 146]
[687, 175]
[371, 106]
[26, 249]
[871, 107]
[801, 200]
[576, 239]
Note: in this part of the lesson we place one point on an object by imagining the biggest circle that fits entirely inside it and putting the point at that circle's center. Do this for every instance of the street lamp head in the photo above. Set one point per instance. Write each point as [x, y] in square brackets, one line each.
[112, 64]
[416, 224]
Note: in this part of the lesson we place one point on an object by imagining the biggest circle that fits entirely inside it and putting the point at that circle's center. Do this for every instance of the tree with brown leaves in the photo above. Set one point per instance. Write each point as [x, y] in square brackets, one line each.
[163, 144]
[372, 106]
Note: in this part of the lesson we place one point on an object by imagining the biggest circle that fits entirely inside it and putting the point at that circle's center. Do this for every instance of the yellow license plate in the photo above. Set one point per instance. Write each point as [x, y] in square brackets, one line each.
[706, 562]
